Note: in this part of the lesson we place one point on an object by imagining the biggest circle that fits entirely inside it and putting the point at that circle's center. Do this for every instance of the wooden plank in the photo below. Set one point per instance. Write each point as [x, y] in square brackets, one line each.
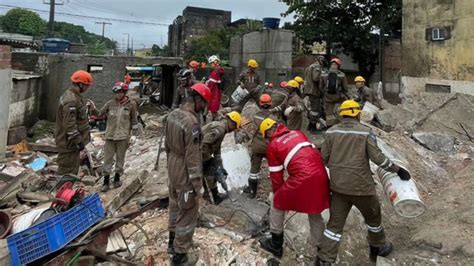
[127, 192]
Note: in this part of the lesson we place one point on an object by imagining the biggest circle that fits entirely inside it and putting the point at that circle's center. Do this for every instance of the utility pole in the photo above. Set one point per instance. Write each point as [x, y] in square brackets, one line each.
[52, 5]
[128, 43]
[132, 48]
[103, 27]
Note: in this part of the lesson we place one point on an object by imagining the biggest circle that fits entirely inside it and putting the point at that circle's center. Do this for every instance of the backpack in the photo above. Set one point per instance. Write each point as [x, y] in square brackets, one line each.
[332, 83]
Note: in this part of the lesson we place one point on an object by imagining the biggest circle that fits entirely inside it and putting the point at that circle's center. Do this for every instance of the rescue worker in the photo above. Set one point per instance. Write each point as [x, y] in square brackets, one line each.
[279, 100]
[306, 190]
[122, 119]
[295, 107]
[193, 66]
[258, 146]
[249, 80]
[213, 134]
[312, 75]
[335, 89]
[185, 79]
[300, 81]
[183, 150]
[215, 85]
[127, 79]
[72, 125]
[365, 94]
[346, 151]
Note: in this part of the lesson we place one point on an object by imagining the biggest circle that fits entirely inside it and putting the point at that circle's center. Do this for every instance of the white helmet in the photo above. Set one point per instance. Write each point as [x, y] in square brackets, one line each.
[213, 59]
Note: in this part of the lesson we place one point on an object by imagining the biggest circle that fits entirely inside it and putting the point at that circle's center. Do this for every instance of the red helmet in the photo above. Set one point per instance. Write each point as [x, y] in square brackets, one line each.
[194, 64]
[120, 86]
[283, 84]
[265, 99]
[337, 61]
[203, 90]
[81, 76]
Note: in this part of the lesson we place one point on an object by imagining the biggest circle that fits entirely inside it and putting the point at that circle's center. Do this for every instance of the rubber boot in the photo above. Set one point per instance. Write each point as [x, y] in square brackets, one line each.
[117, 182]
[273, 245]
[251, 189]
[171, 243]
[182, 259]
[320, 262]
[218, 198]
[105, 187]
[383, 251]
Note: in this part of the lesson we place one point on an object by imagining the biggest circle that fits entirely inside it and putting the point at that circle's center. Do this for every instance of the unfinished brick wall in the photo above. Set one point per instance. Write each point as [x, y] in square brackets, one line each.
[5, 56]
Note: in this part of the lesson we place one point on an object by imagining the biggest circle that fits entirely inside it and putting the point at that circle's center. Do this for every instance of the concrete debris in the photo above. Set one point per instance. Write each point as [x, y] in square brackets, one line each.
[435, 141]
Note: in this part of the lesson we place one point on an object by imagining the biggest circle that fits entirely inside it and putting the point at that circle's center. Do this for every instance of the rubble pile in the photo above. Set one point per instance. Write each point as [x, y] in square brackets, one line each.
[431, 134]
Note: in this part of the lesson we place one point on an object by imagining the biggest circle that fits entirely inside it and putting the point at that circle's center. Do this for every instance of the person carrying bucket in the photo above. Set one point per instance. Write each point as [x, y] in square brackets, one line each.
[346, 151]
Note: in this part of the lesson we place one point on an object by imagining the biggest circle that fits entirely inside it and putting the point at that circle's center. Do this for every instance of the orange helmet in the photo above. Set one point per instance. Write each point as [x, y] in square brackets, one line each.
[81, 76]
[265, 99]
[203, 90]
[194, 64]
[337, 61]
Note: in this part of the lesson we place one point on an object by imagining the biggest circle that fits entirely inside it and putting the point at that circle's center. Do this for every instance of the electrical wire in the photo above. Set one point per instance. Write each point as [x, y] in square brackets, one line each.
[87, 16]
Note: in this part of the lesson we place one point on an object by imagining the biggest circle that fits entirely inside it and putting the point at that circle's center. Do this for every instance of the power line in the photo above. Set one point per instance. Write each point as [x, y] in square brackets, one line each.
[90, 17]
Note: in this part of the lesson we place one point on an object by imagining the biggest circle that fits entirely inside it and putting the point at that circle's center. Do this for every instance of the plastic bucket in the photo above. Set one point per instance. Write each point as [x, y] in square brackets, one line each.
[239, 94]
[403, 195]
[368, 112]
[271, 23]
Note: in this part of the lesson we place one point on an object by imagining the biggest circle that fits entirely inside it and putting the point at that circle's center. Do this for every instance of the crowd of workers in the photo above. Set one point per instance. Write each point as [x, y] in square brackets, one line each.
[193, 148]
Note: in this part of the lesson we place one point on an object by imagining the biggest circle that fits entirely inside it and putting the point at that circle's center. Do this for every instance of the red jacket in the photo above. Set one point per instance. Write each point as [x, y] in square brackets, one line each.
[214, 81]
[307, 188]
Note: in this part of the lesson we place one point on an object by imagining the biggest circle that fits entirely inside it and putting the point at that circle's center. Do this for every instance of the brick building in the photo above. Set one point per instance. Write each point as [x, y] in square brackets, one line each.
[194, 23]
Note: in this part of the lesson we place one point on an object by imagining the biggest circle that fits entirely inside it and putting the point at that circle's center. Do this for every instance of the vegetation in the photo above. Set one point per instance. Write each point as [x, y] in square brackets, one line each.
[27, 22]
[346, 26]
[217, 42]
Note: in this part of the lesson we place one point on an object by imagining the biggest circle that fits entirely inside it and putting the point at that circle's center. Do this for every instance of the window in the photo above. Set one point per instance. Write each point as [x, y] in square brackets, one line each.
[437, 88]
[438, 33]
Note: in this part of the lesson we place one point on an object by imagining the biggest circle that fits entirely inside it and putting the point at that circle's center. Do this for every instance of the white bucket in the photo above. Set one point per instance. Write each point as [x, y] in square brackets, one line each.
[239, 94]
[403, 195]
[368, 112]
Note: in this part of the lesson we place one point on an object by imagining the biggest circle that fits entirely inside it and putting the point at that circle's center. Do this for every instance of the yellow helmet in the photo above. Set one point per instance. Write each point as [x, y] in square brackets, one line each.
[252, 63]
[359, 79]
[349, 108]
[235, 116]
[293, 84]
[266, 124]
[299, 79]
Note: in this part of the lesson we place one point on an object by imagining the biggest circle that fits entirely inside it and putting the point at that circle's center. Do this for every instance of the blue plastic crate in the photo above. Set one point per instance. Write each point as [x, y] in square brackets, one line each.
[53, 234]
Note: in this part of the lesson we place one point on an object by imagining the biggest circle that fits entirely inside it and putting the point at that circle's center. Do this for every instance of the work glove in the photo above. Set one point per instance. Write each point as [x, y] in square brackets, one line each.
[288, 111]
[403, 174]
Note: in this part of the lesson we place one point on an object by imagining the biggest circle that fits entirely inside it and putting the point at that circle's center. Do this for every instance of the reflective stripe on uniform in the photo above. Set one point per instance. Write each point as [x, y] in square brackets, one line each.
[348, 132]
[331, 235]
[73, 133]
[375, 229]
[276, 168]
[254, 176]
[294, 151]
[214, 80]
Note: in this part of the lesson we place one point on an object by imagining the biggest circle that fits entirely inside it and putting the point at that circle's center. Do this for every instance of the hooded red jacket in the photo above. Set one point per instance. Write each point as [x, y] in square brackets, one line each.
[307, 188]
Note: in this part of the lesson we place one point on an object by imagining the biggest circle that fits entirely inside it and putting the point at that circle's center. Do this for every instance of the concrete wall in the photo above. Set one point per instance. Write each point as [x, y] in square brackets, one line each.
[451, 59]
[416, 86]
[5, 90]
[57, 69]
[25, 100]
[271, 48]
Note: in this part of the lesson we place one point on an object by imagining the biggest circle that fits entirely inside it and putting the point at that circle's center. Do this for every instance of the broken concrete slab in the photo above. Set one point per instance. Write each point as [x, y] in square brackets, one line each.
[385, 120]
[16, 135]
[127, 191]
[436, 142]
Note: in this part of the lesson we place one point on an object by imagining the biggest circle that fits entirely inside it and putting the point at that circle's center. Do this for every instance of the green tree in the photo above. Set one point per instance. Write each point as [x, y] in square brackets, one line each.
[96, 48]
[23, 21]
[346, 26]
[217, 42]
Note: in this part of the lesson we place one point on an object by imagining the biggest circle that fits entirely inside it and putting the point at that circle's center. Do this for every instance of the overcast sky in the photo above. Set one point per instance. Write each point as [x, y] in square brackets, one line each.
[157, 11]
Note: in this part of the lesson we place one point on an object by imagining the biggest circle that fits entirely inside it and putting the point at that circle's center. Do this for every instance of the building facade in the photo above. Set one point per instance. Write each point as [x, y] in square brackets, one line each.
[195, 22]
[437, 50]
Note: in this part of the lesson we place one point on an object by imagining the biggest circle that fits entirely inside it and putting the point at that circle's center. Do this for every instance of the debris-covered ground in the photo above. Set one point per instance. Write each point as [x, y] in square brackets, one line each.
[432, 133]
